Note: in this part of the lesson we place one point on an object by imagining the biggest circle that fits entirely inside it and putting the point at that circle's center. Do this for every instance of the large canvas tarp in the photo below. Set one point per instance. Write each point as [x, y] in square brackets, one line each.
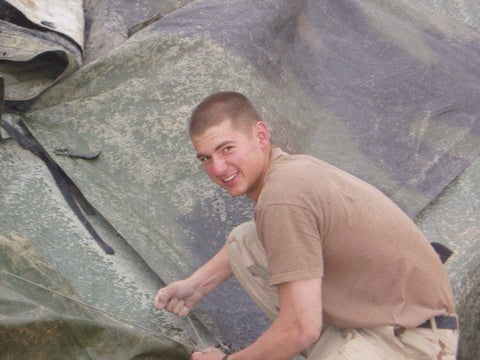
[386, 90]
[395, 83]
[54, 256]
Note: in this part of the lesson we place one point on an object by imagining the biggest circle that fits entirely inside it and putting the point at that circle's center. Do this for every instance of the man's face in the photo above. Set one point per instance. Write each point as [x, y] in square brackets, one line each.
[234, 159]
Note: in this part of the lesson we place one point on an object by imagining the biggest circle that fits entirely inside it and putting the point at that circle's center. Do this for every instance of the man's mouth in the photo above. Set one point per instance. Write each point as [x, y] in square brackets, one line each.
[230, 178]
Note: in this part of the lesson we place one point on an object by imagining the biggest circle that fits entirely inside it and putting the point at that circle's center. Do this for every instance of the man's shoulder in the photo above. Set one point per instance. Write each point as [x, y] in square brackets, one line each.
[291, 177]
[283, 161]
[287, 169]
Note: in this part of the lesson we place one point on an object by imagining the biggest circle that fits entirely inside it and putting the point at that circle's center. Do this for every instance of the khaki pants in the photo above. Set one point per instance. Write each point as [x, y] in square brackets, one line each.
[249, 264]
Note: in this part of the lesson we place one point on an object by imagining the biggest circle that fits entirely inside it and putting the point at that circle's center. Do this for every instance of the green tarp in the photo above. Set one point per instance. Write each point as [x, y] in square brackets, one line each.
[386, 90]
[43, 318]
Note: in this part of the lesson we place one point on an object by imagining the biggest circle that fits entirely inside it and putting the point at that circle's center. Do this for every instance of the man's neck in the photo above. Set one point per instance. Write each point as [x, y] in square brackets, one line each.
[268, 159]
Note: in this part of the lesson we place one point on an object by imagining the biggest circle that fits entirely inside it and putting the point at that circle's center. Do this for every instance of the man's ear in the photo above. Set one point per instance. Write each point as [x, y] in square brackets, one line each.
[262, 133]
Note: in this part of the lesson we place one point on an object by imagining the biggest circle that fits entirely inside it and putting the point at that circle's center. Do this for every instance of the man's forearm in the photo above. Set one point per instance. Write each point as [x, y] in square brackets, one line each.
[213, 273]
[298, 325]
[279, 342]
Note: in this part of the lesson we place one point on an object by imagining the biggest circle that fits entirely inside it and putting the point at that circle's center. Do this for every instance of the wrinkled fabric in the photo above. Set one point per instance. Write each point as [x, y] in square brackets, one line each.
[46, 244]
[386, 90]
[39, 46]
[39, 323]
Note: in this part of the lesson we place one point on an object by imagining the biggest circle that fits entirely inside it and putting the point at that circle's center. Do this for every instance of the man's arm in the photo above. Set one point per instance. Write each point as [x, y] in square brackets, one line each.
[298, 325]
[180, 296]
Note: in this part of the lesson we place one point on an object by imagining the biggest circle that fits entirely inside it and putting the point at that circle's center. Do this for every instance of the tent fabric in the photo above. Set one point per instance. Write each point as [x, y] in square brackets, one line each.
[109, 23]
[38, 45]
[45, 41]
[40, 324]
[453, 219]
[64, 17]
[33, 208]
[414, 94]
[386, 90]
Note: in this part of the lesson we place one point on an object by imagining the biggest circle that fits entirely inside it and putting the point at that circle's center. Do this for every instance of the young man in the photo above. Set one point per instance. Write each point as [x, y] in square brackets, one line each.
[325, 247]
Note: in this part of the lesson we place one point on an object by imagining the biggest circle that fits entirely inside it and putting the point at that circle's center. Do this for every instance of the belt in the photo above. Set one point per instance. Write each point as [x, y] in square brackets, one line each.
[442, 321]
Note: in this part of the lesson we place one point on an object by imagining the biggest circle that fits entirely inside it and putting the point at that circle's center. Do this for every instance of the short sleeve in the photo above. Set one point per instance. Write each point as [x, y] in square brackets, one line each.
[292, 242]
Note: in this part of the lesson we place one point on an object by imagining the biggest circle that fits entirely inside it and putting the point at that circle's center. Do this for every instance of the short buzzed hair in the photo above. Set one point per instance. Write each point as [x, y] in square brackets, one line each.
[225, 105]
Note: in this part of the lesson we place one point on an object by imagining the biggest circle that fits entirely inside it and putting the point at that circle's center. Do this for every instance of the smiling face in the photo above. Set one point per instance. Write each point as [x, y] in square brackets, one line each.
[235, 158]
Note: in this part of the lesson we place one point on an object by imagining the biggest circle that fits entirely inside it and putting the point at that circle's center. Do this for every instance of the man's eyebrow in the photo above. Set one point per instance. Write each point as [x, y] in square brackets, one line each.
[222, 144]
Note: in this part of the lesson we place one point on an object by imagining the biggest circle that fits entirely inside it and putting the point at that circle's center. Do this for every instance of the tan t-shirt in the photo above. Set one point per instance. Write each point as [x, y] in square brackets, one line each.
[316, 220]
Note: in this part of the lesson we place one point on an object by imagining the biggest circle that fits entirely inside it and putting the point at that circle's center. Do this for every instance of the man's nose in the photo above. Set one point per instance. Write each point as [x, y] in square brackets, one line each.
[219, 166]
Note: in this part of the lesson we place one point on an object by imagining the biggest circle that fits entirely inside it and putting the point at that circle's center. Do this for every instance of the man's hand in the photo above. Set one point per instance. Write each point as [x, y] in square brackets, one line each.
[179, 297]
[209, 354]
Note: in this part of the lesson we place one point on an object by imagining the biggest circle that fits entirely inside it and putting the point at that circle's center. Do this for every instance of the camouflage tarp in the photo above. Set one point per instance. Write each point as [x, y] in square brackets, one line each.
[386, 90]
[43, 318]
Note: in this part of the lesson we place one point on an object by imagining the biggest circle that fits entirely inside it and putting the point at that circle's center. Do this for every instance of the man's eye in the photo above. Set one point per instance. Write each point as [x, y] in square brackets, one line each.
[227, 149]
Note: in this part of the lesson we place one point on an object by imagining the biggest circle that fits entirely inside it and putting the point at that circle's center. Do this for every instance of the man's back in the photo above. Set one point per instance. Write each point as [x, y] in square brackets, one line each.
[377, 267]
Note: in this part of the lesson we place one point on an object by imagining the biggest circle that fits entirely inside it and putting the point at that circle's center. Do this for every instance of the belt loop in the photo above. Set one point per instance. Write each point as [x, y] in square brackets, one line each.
[433, 324]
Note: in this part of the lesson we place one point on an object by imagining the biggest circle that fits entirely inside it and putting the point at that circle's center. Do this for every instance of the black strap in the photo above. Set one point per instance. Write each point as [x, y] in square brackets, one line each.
[442, 251]
[67, 187]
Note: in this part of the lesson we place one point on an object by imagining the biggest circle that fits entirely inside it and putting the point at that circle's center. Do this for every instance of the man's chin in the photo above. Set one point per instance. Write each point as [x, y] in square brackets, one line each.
[235, 192]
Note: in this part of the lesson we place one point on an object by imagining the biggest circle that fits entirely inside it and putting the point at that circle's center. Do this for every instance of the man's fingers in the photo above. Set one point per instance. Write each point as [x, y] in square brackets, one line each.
[180, 304]
[163, 297]
[175, 300]
[172, 304]
[210, 353]
[178, 307]
[184, 312]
